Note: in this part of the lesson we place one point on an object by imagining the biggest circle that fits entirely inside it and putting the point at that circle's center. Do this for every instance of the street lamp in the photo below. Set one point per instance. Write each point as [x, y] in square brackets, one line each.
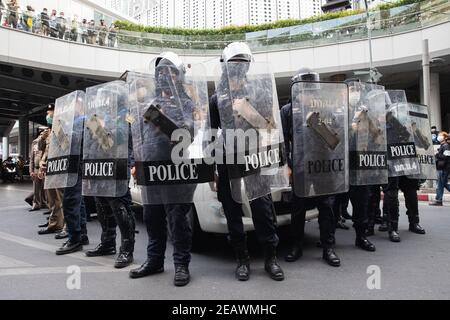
[374, 75]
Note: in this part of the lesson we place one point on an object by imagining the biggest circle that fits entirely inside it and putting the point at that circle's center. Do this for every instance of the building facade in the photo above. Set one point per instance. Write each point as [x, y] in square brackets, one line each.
[214, 14]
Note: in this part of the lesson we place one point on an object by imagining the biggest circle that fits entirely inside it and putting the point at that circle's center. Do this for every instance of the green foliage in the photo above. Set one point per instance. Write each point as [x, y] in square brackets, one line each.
[217, 34]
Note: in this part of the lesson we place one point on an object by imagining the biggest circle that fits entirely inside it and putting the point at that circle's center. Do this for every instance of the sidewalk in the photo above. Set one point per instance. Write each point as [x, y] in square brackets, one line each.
[426, 195]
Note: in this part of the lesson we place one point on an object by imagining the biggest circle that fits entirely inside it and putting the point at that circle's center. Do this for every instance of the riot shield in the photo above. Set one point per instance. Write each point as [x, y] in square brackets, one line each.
[367, 134]
[252, 132]
[421, 129]
[320, 138]
[105, 147]
[170, 120]
[65, 141]
[402, 156]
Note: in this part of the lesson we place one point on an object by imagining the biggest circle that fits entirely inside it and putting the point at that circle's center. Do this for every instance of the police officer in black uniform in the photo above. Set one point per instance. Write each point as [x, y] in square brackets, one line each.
[113, 212]
[359, 197]
[169, 70]
[324, 204]
[262, 208]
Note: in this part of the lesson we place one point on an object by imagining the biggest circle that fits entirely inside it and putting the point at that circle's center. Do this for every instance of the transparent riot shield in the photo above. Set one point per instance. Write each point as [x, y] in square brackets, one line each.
[421, 129]
[402, 155]
[170, 121]
[105, 147]
[367, 134]
[252, 132]
[320, 138]
[65, 143]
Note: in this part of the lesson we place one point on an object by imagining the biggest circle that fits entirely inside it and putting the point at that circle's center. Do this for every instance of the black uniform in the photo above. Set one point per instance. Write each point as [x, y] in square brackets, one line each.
[409, 188]
[156, 216]
[391, 211]
[263, 214]
[391, 203]
[374, 212]
[359, 197]
[113, 212]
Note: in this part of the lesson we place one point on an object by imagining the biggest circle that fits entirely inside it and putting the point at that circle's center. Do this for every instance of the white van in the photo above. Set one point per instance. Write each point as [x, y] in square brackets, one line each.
[208, 216]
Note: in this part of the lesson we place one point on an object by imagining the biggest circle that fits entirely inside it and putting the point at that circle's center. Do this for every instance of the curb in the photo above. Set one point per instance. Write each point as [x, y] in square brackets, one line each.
[422, 197]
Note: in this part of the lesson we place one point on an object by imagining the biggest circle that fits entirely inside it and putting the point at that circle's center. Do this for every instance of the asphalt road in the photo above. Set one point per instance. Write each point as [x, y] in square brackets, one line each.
[416, 268]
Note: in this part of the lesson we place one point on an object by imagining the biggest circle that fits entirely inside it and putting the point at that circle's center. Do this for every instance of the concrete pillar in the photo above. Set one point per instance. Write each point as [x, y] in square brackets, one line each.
[24, 137]
[5, 148]
[435, 99]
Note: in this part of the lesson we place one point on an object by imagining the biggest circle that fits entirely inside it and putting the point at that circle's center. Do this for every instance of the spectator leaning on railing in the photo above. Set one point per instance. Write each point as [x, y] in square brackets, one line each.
[61, 25]
[13, 7]
[102, 31]
[28, 19]
[92, 33]
[45, 26]
[2, 7]
[112, 35]
[84, 31]
[52, 24]
[74, 29]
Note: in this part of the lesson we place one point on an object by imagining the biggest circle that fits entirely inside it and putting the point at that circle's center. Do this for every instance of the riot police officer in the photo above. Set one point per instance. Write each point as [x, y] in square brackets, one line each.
[113, 212]
[402, 158]
[169, 202]
[367, 146]
[323, 203]
[236, 60]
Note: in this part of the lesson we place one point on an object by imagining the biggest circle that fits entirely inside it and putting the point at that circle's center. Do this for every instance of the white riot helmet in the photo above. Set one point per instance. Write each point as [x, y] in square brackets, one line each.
[171, 60]
[305, 74]
[237, 51]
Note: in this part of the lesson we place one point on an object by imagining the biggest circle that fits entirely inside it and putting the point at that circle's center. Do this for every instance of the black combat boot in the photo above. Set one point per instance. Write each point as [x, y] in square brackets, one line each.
[393, 232]
[84, 236]
[331, 257]
[271, 264]
[125, 257]
[361, 240]
[363, 243]
[243, 264]
[103, 249]
[295, 253]
[416, 228]
[182, 276]
[126, 222]
[70, 246]
[107, 245]
[148, 268]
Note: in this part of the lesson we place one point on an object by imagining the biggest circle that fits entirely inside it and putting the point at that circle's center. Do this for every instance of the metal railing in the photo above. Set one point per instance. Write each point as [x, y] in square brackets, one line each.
[350, 28]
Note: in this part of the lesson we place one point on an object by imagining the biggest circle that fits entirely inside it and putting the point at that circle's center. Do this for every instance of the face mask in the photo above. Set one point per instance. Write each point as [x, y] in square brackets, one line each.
[354, 98]
[49, 120]
[441, 139]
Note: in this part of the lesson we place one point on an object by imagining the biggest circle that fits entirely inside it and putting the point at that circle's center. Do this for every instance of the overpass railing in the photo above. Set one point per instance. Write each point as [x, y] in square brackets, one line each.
[350, 28]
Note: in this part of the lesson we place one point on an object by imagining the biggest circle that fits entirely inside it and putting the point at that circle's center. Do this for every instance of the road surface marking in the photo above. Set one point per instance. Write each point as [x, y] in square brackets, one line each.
[13, 207]
[16, 189]
[56, 270]
[107, 262]
[7, 262]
